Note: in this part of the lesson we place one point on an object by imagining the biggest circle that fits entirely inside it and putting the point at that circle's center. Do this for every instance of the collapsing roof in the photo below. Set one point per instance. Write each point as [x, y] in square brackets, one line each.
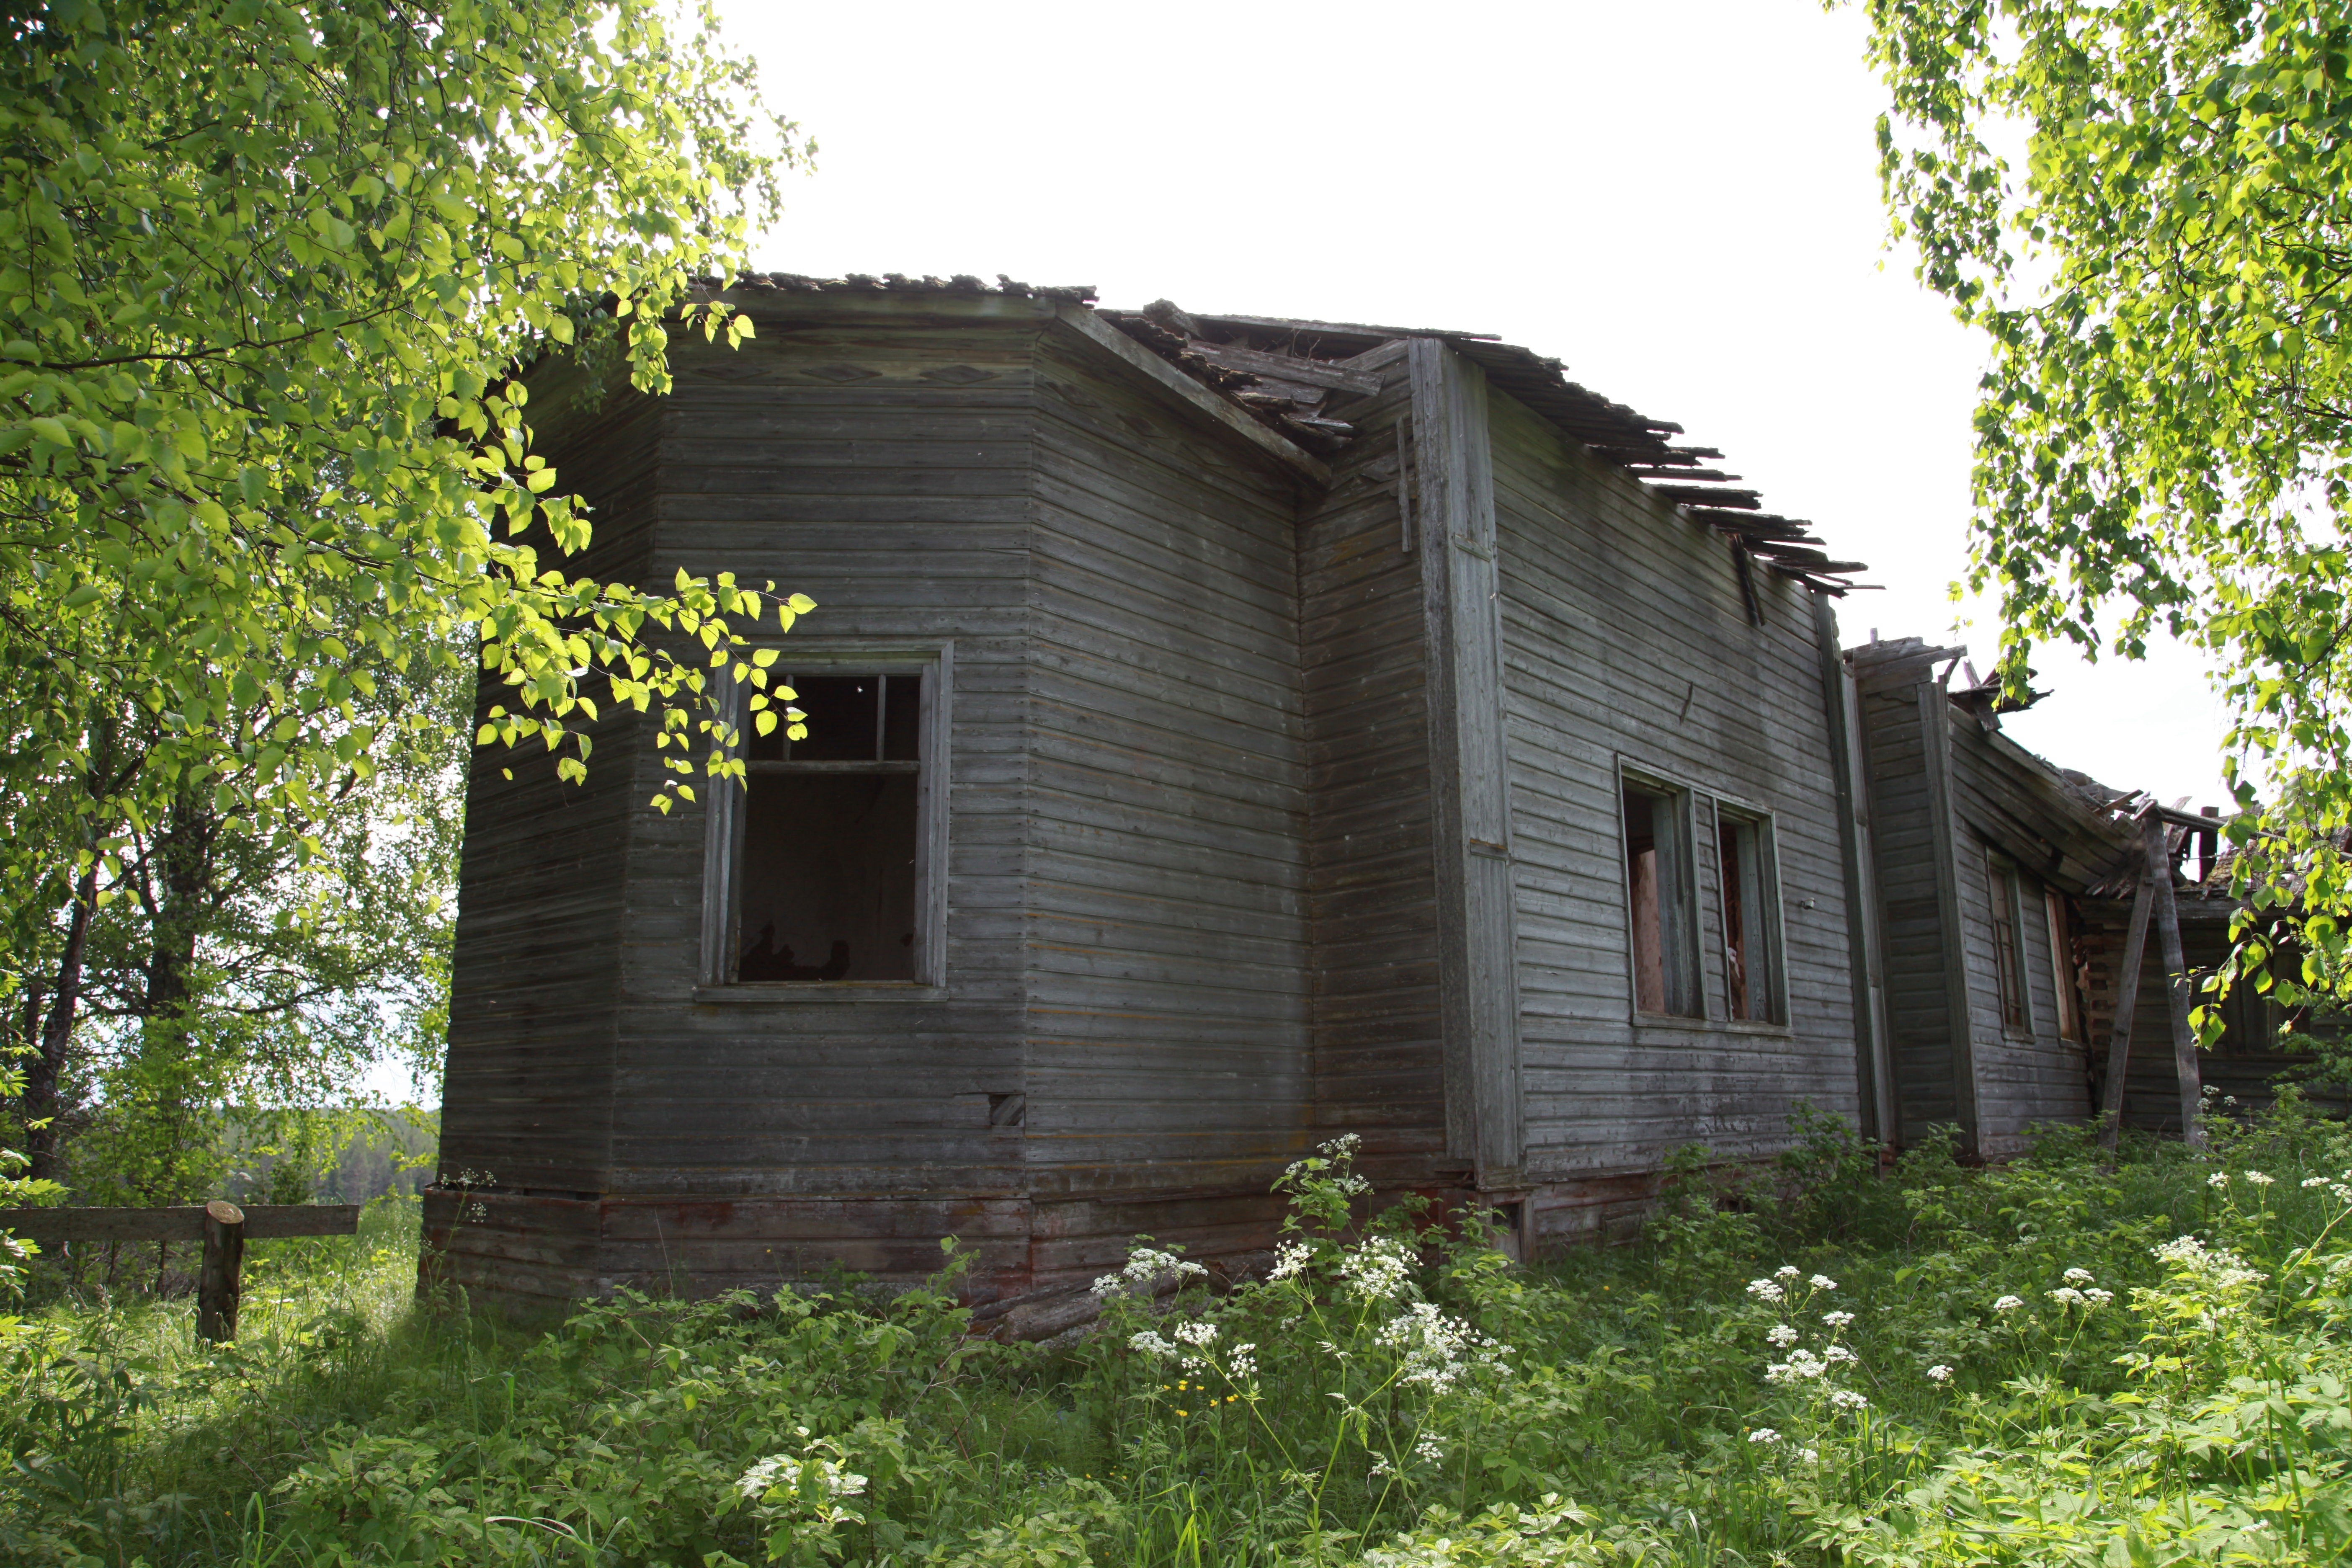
[1295, 377]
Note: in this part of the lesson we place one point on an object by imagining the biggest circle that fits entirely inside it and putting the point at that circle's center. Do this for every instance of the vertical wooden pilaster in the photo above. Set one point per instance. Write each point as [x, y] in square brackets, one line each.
[1873, 1070]
[1476, 904]
[1944, 828]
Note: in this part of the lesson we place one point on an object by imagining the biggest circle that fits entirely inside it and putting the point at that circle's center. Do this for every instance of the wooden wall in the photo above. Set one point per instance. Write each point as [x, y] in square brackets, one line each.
[1626, 642]
[1379, 1068]
[1167, 964]
[1949, 791]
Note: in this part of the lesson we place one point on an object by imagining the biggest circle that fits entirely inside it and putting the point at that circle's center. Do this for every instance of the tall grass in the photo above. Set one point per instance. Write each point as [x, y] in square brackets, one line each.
[2061, 1360]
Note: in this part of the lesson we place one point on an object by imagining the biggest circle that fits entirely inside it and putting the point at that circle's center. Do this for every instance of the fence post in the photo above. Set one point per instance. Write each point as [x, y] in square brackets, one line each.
[217, 1285]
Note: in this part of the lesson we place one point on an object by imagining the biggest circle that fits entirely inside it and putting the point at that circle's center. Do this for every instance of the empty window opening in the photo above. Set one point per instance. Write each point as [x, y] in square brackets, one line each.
[1658, 902]
[2008, 960]
[1750, 902]
[827, 874]
[2065, 966]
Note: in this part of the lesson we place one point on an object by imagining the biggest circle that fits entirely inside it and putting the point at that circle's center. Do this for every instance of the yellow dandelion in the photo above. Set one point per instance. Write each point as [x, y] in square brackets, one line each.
[1184, 1413]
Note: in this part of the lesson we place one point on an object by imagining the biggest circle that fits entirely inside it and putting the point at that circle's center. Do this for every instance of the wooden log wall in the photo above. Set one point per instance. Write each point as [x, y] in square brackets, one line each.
[1166, 966]
[1378, 1029]
[1626, 642]
[533, 989]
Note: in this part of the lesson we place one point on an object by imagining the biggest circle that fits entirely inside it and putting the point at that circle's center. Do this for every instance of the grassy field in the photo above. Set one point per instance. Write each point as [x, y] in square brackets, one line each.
[2057, 1362]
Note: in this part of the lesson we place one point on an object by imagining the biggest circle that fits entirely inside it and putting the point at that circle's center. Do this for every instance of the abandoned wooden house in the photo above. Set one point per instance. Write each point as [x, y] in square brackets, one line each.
[2009, 903]
[1225, 733]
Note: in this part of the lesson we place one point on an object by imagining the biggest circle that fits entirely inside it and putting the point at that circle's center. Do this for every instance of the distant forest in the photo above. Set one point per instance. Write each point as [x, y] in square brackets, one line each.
[340, 1157]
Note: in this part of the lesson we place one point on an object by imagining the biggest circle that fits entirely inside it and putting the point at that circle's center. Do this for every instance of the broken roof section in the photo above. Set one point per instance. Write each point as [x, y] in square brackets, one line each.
[1297, 377]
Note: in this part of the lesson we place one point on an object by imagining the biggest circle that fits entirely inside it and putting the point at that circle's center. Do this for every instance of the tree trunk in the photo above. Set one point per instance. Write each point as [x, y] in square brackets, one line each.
[47, 1070]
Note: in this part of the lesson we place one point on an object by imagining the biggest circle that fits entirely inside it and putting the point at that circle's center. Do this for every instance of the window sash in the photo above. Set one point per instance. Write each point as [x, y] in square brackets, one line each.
[723, 851]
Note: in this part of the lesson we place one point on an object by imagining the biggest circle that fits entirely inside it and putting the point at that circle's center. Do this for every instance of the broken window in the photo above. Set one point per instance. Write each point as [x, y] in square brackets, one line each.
[826, 862]
[1658, 901]
[1750, 904]
[2007, 957]
[2065, 966]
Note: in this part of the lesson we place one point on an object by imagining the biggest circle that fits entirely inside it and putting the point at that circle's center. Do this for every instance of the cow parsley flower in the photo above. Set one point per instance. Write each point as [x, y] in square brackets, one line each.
[1847, 1399]
[1939, 1374]
[2067, 1296]
[2079, 1277]
[1196, 1334]
[1151, 1343]
[1379, 1270]
[2099, 1298]
[2262, 1179]
[1836, 1354]
[1765, 1290]
[1800, 1367]
[1822, 1282]
[1782, 1336]
[1429, 1448]
[1786, 1271]
[1764, 1435]
[1837, 1320]
[2008, 1304]
[2218, 1179]
[1290, 1260]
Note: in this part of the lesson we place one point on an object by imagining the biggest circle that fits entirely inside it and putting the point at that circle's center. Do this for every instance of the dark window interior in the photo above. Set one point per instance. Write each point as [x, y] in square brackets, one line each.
[1747, 894]
[827, 882]
[1657, 907]
[2009, 968]
[2067, 963]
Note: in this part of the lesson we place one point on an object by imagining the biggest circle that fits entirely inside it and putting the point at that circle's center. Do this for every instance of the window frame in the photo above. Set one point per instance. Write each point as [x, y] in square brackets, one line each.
[2074, 1026]
[1679, 935]
[2001, 873]
[723, 836]
[1761, 911]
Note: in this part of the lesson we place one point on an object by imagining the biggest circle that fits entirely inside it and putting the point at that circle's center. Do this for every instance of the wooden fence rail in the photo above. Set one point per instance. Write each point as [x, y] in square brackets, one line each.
[223, 1227]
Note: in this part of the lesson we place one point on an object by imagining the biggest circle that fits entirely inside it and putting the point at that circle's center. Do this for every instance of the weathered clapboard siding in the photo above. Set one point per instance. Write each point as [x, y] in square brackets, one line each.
[1167, 964]
[1625, 640]
[1379, 1071]
[830, 455]
[540, 902]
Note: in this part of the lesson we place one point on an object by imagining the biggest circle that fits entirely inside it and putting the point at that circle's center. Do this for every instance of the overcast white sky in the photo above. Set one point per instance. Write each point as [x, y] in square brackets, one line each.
[1679, 198]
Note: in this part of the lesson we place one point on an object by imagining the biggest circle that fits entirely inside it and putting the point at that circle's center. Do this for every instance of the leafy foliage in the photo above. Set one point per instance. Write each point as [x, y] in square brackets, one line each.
[269, 501]
[2144, 205]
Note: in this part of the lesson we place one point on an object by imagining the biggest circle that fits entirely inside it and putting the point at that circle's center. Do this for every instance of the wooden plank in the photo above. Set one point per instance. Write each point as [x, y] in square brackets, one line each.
[1935, 732]
[1476, 907]
[177, 1223]
[1183, 389]
[1875, 1083]
[2158, 844]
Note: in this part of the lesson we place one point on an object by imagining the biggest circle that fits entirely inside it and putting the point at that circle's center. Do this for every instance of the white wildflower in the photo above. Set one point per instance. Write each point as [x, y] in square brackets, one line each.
[1847, 1399]
[1939, 1374]
[1151, 1343]
[2099, 1298]
[1782, 1336]
[1429, 1448]
[1786, 1271]
[1809, 1456]
[1837, 1354]
[2218, 1179]
[1837, 1320]
[1377, 1271]
[1290, 1260]
[2180, 1249]
[2262, 1179]
[1145, 1265]
[1765, 1290]
[2079, 1277]
[1801, 1366]
[2008, 1304]
[2067, 1296]
[1196, 1334]
[1764, 1435]
[2314, 1181]
[1822, 1282]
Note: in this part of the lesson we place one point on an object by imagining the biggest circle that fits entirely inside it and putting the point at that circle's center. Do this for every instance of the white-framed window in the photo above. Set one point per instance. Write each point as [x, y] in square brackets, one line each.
[1747, 906]
[1661, 900]
[826, 865]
